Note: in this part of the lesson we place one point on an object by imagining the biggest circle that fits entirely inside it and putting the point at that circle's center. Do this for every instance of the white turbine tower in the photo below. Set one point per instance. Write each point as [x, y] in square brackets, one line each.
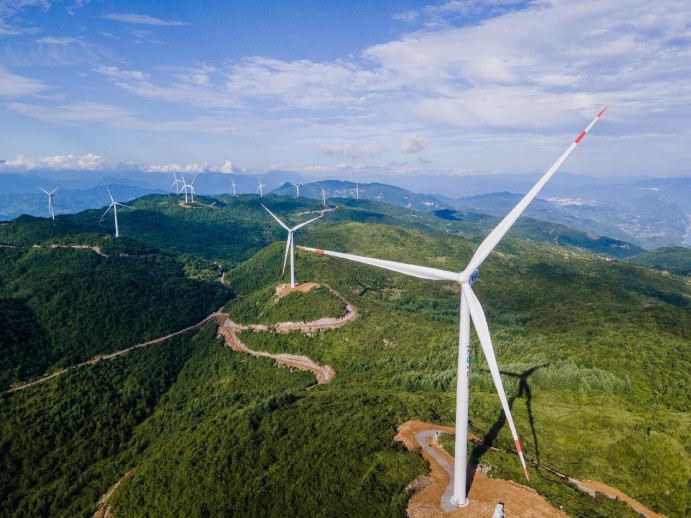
[188, 188]
[233, 182]
[323, 196]
[289, 244]
[191, 188]
[357, 191]
[51, 211]
[177, 183]
[113, 205]
[297, 187]
[471, 309]
[260, 189]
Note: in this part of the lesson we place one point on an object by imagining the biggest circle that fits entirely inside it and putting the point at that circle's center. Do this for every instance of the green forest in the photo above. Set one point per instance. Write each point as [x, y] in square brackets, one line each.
[265, 307]
[593, 353]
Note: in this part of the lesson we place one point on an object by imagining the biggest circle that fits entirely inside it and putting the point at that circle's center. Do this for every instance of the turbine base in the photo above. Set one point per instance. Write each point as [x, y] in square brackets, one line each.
[458, 503]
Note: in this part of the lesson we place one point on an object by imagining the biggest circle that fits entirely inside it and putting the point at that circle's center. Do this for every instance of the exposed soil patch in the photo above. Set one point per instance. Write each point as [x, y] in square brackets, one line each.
[96, 249]
[485, 493]
[103, 509]
[615, 494]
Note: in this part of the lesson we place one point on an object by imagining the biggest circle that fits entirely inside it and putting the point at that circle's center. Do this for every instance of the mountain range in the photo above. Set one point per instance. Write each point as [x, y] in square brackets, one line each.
[590, 349]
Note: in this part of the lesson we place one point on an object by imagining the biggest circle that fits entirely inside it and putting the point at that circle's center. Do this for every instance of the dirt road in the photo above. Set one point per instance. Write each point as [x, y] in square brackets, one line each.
[217, 315]
[431, 495]
[323, 373]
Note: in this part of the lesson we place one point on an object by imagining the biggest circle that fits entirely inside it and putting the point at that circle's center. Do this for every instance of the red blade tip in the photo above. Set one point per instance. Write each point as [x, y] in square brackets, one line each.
[603, 111]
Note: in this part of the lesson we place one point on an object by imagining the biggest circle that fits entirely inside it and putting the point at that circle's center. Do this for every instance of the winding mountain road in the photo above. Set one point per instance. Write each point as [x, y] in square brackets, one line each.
[323, 373]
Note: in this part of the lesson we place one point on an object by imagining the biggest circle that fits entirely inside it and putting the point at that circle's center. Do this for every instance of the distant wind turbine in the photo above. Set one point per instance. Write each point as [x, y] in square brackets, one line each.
[260, 189]
[233, 182]
[323, 196]
[289, 244]
[188, 188]
[51, 212]
[177, 183]
[297, 187]
[113, 205]
[357, 191]
[471, 309]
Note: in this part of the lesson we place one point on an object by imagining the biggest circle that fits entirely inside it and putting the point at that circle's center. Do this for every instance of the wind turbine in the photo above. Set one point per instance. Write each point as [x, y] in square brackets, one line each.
[471, 309]
[297, 187]
[260, 189]
[191, 188]
[233, 182]
[114, 205]
[323, 196]
[357, 191]
[188, 187]
[289, 244]
[51, 212]
[176, 183]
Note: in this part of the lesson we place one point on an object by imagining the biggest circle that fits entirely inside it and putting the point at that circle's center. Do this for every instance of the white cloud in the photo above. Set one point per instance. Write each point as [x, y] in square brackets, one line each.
[94, 162]
[354, 150]
[409, 143]
[76, 113]
[89, 162]
[226, 168]
[12, 85]
[50, 40]
[116, 73]
[142, 19]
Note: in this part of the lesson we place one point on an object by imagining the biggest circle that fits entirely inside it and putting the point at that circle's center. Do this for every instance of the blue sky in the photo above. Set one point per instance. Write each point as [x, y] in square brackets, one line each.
[324, 87]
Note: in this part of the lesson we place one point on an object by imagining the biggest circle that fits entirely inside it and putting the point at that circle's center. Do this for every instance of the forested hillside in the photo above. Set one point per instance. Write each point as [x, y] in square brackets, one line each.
[68, 299]
[674, 259]
[592, 352]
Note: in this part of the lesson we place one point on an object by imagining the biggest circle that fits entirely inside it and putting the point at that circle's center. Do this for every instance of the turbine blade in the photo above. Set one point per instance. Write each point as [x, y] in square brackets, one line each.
[122, 205]
[54, 190]
[276, 218]
[106, 212]
[422, 272]
[109, 194]
[44, 191]
[285, 257]
[480, 323]
[307, 222]
[498, 233]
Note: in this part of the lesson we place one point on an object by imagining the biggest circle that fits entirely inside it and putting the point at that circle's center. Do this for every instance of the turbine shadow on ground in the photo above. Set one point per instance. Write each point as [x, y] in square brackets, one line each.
[523, 388]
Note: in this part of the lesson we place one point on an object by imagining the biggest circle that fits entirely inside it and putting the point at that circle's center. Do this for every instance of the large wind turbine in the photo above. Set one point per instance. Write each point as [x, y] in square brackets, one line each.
[323, 196]
[471, 309]
[260, 189]
[51, 212]
[297, 187]
[114, 205]
[289, 244]
[357, 191]
[233, 182]
[176, 183]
